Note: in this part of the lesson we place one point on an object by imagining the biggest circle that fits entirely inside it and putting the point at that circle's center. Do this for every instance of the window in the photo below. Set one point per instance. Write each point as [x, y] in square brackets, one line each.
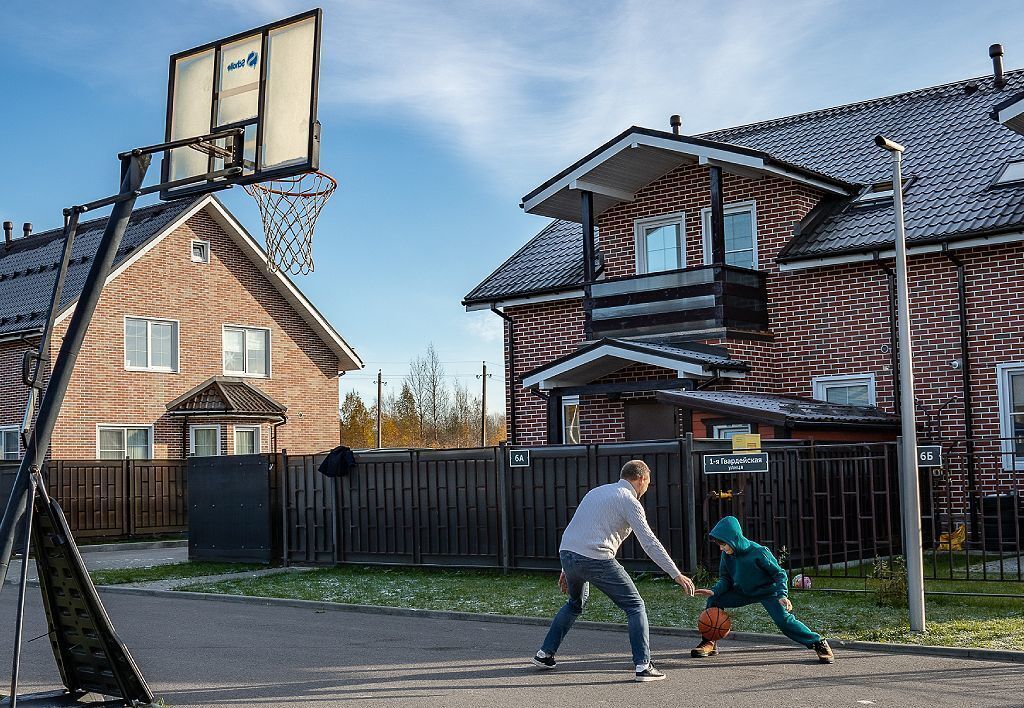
[200, 251]
[725, 432]
[150, 345]
[857, 390]
[571, 420]
[1013, 172]
[247, 440]
[659, 243]
[116, 442]
[740, 235]
[246, 351]
[10, 443]
[204, 440]
[878, 192]
[1011, 414]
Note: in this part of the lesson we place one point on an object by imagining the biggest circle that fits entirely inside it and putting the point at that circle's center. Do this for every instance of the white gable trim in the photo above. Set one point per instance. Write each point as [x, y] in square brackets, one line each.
[348, 360]
[551, 377]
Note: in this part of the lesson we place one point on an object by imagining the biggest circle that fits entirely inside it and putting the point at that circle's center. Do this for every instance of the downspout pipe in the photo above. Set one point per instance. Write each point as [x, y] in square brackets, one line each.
[894, 357]
[965, 377]
[510, 354]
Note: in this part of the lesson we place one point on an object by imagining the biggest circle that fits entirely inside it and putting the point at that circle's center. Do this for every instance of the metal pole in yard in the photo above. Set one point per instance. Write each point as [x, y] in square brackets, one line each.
[483, 406]
[379, 387]
[910, 496]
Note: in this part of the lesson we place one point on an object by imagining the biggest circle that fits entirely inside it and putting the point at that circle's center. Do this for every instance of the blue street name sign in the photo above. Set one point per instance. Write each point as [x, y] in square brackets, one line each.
[736, 464]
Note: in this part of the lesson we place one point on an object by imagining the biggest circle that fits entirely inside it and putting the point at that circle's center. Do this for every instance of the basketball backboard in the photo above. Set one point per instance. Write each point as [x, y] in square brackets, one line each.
[263, 81]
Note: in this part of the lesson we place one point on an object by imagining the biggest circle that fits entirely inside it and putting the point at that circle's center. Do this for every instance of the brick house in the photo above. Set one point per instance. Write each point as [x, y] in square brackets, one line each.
[195, 348]
[741, 280]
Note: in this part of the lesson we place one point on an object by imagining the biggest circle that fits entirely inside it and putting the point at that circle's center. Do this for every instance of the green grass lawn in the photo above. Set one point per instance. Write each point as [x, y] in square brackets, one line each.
[174, 571]
[953, 621]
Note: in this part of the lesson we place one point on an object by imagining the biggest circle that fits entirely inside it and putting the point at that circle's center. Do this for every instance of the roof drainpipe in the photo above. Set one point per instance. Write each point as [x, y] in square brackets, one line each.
[8, 233]
[996, 52]
[510, 372]
[965, 377]
[894, 358]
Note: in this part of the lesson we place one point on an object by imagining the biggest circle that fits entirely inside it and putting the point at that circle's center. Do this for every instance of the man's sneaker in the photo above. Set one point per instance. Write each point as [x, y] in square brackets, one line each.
[649, 674]
[824, 652]
[543, 662]
[703, 650]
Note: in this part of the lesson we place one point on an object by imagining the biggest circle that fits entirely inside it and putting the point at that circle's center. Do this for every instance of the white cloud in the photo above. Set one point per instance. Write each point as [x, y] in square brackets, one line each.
[524, 89]
[484, 325]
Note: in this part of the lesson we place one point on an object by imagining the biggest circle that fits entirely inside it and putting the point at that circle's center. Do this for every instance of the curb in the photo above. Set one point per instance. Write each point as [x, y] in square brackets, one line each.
[1008, 655]
[131, 546]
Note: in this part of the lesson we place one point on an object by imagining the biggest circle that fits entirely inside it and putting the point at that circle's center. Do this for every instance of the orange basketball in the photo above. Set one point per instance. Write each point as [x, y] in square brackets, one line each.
[714, 624]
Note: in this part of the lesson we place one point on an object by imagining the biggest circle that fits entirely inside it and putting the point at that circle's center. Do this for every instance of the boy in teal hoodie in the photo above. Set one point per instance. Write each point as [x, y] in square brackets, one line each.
[749, 573]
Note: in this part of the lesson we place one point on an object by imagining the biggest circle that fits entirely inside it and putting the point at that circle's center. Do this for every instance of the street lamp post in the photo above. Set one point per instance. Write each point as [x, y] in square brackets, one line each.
[910, 494]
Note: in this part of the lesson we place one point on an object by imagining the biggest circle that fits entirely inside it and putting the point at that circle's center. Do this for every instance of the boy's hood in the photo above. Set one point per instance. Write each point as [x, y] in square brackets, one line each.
[728, 530]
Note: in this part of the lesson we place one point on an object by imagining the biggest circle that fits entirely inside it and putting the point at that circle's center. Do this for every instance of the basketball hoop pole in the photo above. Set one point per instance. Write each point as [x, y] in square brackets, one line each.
[133, 171]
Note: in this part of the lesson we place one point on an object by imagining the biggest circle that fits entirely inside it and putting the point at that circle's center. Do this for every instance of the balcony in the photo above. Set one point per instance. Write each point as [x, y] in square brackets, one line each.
[712, 300]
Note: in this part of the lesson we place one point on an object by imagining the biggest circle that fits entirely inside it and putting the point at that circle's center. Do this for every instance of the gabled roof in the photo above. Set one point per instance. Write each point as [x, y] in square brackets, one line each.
[636, 157]
[29, 266]
[606, 356]
[794, 411]
[226, 396]
[955, 150]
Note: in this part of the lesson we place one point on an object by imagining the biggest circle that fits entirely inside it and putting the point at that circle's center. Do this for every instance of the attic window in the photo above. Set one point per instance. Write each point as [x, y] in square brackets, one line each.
[200, 251]
[878, 192]
[1013, 172]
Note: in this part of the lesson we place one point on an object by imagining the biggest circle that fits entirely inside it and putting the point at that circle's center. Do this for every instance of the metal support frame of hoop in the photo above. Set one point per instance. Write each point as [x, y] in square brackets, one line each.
[49, 535]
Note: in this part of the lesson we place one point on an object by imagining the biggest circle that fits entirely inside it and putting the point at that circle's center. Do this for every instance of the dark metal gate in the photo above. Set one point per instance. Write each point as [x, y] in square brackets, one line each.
[229, 501]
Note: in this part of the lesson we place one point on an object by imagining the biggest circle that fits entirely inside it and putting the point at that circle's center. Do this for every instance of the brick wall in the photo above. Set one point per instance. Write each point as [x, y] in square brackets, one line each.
[165, 283]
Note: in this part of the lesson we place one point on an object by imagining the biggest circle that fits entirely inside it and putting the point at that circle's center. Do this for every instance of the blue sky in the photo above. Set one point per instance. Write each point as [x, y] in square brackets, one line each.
[438, 116]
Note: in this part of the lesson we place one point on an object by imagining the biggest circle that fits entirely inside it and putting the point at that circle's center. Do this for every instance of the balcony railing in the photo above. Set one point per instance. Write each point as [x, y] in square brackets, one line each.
[703, 298]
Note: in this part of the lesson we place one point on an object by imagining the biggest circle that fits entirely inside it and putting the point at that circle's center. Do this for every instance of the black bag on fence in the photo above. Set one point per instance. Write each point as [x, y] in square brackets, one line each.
[338, 463]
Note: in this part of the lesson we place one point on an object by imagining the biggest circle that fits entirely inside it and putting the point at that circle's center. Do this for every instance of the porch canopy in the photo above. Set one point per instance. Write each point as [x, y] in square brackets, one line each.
[607, 356]
[790, 412]
[227, 397]
[627, 163]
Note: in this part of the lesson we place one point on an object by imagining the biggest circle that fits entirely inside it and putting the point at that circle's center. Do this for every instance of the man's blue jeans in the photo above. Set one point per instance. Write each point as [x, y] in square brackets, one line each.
[610, 578]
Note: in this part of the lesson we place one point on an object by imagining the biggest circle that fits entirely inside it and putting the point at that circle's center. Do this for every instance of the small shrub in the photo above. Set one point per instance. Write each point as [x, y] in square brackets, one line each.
[888, 580]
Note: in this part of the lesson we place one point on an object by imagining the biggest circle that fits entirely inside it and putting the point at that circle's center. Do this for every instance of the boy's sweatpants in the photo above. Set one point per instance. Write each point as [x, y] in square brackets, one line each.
[786, 621]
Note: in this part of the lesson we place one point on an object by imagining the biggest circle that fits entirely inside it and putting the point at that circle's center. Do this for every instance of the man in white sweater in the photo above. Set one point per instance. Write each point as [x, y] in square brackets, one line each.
[603, 520]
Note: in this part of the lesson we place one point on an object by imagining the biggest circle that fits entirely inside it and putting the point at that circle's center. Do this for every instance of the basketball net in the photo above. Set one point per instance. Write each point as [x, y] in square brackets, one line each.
[289, 209]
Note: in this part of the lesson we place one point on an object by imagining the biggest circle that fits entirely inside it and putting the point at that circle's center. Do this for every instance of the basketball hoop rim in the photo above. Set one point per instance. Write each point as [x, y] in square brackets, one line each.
[296, 181]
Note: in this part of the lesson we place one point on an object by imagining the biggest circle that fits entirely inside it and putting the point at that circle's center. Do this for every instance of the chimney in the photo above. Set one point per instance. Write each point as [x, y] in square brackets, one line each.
[8, 233]
[676, 122]
[996, 52]
[26, 229]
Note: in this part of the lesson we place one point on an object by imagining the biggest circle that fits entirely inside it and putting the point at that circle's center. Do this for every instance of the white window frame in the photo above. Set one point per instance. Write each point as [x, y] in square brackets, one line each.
[1003, 371]
[270, 348]
[821, 384]
[192, 438]
[4, 429]
[565, 402]
[149, 344]
[733, 208]
[234, 438]
[716, 430]
[192, 251]
[640, 227]
[124, 426]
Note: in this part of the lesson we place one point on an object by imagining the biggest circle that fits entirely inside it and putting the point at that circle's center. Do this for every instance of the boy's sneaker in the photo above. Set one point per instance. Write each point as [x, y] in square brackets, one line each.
[703, 650]
[543, 662]
[649, 674]
[824, 652]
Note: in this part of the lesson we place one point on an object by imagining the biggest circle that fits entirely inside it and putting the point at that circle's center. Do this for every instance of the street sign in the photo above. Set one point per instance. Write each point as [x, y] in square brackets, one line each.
[736, 463]
[929, 455]
[746, 441]
[518, 458]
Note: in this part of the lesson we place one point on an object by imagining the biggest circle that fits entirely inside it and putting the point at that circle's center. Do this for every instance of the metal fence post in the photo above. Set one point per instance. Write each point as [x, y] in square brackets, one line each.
[126, 498]
[689, 502]
[284, 494]
[414, 476]
[503, 511]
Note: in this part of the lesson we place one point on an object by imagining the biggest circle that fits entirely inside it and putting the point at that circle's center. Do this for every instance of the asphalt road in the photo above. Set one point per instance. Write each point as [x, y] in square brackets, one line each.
[210, 653]
[104, 559]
